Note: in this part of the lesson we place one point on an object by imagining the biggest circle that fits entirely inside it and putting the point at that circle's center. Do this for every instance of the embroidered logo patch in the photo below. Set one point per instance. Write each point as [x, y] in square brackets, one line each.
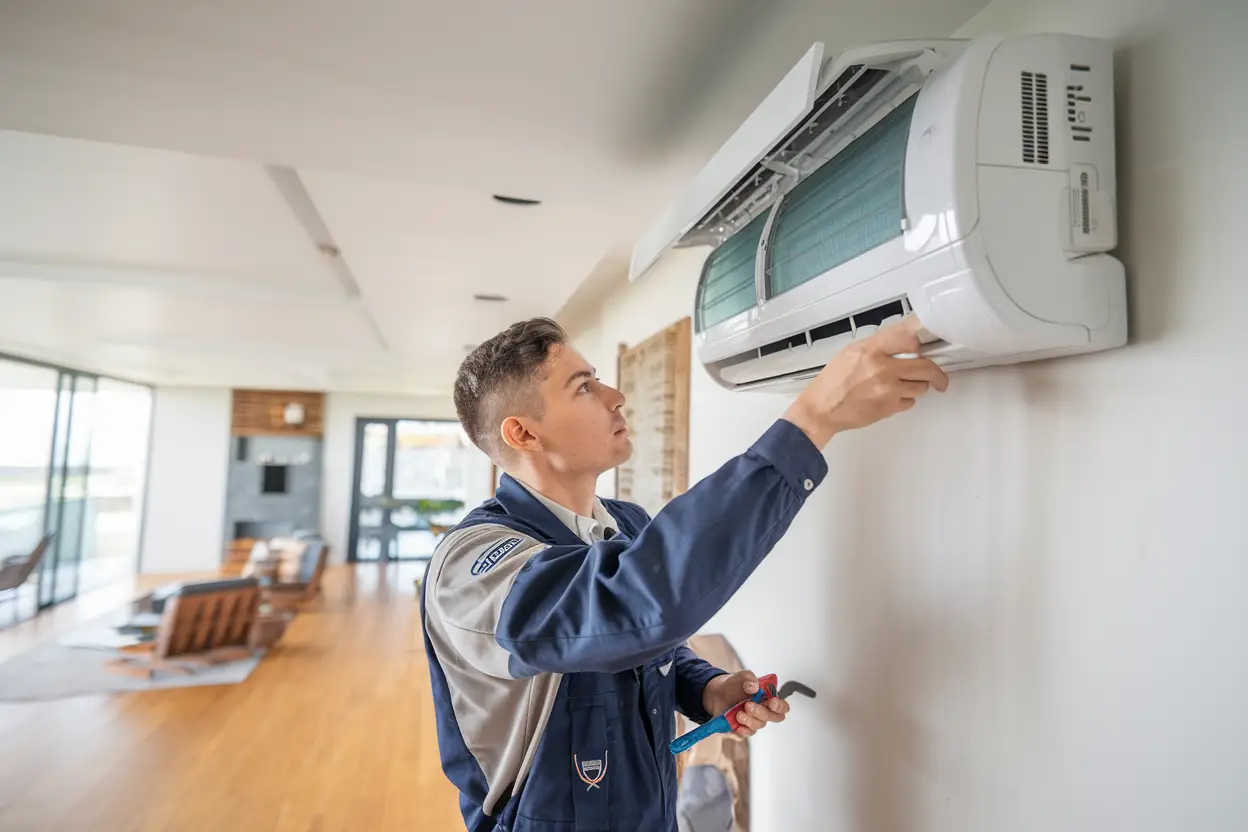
[490, 559]
[591, 771]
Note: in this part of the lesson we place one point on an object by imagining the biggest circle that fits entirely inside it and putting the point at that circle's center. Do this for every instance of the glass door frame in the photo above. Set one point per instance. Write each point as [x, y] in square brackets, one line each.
[53, 500]
[65, 556]
[387, 531]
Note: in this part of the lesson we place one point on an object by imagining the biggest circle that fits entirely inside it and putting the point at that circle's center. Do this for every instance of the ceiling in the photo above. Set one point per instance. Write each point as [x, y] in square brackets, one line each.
[297, 193]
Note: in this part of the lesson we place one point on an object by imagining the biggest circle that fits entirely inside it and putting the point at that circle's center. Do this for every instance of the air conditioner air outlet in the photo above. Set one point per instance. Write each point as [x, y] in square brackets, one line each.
[787, 343]
[858, 325]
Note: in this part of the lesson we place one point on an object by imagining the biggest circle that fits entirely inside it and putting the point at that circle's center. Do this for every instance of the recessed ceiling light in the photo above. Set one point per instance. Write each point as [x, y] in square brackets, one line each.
[516, 200]
[489, 298]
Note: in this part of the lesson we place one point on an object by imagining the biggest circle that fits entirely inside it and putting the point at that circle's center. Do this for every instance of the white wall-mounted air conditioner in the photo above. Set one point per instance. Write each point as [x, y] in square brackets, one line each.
[970, 182]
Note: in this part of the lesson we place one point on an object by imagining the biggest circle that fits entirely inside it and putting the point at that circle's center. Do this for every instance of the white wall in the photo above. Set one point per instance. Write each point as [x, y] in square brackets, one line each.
[182, 523]
[1025, 604]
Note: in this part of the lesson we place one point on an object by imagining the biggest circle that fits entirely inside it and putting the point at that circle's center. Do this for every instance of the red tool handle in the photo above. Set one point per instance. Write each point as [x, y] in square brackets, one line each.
[766, 690]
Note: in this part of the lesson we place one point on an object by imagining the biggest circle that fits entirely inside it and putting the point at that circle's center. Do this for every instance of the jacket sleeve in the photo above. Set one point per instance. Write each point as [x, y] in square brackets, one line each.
[616, 604]
[692, 674]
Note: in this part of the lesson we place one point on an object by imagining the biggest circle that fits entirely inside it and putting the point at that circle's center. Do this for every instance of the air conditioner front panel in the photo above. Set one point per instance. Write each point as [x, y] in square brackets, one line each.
[1024, 242]
[997, 181]
[779, 113]
[942, 202]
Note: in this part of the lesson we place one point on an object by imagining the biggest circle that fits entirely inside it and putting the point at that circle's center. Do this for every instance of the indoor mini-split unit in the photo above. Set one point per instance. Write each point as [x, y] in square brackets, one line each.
[969, 182]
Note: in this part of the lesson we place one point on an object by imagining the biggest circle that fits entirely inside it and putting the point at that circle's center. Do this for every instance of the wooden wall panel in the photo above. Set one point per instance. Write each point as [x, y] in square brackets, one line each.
[654, 378]
[261, 413]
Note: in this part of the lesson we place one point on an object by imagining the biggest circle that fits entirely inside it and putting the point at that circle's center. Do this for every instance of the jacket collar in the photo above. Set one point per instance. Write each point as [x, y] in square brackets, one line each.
[518, 502]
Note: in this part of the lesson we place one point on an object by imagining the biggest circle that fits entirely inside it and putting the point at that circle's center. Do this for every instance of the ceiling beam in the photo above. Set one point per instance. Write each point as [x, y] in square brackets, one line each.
[291, 187]
[173, 281]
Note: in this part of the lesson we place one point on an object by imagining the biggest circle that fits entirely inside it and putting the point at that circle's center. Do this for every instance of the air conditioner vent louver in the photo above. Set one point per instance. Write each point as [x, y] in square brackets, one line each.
[843, 93]
[874, 317]
[1035, 97]
[798, 340]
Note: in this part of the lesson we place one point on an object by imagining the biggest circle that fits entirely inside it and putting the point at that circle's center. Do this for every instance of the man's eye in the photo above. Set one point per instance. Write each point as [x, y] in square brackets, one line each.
[584, 388]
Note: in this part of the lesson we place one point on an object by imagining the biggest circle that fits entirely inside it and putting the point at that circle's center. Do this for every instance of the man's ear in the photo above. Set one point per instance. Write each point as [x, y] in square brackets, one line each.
[517, 436]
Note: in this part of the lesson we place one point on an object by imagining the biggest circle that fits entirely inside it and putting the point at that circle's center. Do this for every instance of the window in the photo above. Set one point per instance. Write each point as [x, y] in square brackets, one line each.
[414, 479]
[115, 488]
[28, 402]
[430, 460]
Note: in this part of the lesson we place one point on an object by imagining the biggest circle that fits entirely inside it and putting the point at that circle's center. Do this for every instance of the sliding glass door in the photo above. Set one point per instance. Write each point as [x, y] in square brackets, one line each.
[73, 454]
[120, 429]
[67, 499]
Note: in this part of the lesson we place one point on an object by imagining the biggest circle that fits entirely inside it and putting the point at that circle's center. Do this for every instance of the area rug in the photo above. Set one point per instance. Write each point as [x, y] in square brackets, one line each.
[76, 664]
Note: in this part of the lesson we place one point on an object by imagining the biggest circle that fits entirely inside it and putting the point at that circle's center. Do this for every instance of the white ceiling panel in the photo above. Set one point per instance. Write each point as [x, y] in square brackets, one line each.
[400, 234]
[84, 202]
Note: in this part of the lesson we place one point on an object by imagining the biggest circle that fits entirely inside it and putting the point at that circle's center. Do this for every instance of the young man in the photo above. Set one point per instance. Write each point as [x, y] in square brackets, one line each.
[555, 622]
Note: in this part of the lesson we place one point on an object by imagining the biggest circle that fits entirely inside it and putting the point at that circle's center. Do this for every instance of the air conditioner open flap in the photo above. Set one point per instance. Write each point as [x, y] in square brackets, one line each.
[772, 150]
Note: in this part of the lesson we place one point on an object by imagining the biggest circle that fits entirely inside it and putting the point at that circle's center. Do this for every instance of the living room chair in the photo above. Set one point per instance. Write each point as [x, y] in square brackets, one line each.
[16, 570]
[201, 623]
[307, 580]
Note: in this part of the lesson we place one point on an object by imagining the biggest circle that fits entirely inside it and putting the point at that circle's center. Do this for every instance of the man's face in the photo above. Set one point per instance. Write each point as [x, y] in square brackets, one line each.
[582, 428]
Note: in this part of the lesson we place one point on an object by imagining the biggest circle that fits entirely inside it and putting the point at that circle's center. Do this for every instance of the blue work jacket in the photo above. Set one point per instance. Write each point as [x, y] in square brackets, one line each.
[557, 665]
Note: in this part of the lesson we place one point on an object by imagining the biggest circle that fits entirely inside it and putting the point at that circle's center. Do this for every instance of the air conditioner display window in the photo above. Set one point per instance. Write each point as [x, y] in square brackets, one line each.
[727, 285]
[850, 205]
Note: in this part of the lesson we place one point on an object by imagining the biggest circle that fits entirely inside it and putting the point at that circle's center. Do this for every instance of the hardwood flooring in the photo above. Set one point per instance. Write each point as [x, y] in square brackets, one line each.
[333, 731]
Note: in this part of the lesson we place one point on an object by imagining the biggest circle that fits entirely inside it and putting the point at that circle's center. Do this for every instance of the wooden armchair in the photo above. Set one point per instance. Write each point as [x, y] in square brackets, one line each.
[307, 580]
[201, 623]
[236, 556]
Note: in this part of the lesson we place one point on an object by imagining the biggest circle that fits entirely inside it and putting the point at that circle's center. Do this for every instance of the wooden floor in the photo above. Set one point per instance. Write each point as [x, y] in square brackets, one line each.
[333, 731]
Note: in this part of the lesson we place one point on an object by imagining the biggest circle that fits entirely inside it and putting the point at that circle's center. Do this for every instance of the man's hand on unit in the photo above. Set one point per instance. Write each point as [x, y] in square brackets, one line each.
[866, 382]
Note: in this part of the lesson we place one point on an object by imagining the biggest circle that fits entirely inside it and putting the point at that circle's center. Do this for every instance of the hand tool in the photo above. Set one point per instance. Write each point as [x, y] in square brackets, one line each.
[727, 722]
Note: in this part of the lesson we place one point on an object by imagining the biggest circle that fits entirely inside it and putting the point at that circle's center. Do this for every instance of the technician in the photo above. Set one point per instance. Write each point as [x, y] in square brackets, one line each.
[555, 621]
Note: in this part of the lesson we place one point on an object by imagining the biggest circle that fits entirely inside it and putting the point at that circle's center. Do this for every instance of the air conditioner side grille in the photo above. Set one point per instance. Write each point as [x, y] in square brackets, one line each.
[1035, 117]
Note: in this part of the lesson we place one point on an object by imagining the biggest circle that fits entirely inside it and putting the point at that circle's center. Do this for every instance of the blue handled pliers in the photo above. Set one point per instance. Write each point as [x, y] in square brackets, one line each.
[726, 722]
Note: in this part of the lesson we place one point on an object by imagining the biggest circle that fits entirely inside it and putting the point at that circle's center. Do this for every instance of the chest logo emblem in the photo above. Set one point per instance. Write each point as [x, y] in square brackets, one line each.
[591, 772]
[490, 559]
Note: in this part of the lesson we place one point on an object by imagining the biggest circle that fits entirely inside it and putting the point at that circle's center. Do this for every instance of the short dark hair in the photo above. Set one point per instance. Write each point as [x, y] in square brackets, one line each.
[497, 380]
